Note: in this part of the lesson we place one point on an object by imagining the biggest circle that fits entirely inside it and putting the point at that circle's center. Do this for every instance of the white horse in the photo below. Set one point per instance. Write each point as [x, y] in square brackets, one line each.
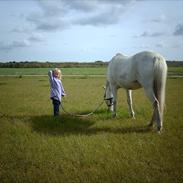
[145, 69]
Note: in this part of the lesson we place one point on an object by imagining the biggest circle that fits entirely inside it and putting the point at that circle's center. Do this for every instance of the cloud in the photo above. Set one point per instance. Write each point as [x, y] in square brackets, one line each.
[50, 26]
[51, 8]
[81, 5]
[14, 45]
[178, 30]
[57, 7]
[95, 5]
[59, 15]
[108, 17]
[160, 45]
[47, 23]
[150, 46]
[36, 38]
[159, 19]
[148, 34]
[22, 30]
[106, 12]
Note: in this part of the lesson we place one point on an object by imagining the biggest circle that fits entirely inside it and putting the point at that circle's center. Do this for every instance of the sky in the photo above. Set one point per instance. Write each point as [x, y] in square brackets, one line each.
[89, 30]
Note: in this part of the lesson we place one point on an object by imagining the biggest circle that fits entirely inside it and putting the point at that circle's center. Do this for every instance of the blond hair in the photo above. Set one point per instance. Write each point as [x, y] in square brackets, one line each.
[57, 73]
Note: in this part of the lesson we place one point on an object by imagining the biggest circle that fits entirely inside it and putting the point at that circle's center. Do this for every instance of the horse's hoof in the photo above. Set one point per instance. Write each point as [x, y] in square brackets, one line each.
[133, 115]
[159, 129]
[114, 115]
[150, 125]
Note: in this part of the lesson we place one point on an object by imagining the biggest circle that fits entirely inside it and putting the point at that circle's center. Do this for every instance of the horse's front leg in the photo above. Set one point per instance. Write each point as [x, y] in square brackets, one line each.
[114, 91]
[129, 101]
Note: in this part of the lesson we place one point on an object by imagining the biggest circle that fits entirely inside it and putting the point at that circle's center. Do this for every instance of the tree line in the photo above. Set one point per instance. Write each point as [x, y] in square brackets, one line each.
[28, 64]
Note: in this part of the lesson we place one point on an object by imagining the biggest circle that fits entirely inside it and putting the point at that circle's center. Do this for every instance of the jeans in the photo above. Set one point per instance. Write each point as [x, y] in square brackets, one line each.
[56, 105]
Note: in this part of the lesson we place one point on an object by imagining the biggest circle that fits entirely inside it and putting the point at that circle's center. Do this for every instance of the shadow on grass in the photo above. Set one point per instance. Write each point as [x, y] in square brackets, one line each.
[3, 83]
[67, 125]
[60, 125]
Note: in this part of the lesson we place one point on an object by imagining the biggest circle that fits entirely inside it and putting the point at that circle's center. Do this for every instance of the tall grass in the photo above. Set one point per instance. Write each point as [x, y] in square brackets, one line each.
[36, 147]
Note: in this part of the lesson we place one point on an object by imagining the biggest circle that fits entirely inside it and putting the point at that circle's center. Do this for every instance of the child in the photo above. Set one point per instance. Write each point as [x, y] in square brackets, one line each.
[56, 89]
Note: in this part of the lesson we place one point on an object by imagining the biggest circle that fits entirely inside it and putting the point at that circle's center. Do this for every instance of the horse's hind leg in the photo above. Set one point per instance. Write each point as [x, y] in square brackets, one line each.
[152, 119]
[156, 113]
[129, 101]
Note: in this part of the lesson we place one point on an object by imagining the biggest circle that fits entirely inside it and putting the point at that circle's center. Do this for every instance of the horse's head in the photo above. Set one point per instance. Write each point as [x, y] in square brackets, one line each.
[108, 96]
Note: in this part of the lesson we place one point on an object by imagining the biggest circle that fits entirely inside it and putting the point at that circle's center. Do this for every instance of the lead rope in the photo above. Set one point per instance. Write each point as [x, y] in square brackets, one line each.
[82, 115]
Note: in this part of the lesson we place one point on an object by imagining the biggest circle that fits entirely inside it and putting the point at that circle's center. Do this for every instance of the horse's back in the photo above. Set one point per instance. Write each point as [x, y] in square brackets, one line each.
[118, 72]
[145, 64]
[125, 71]
[141, 57]
[146, 56]
[145, 61]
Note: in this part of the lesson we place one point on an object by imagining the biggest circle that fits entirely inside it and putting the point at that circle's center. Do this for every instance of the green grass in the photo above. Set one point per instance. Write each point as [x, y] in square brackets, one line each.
[44, 71]
[175, 70]
[36, 147]
[71, 71]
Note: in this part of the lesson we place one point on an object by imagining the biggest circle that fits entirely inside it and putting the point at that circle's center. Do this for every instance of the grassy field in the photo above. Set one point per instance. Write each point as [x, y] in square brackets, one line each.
[36, 147]
[71, 71]
[44, 71]
[175, 70]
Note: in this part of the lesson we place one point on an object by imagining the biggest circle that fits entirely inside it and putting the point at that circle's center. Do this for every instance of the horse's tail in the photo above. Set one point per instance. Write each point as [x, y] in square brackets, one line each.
[160, 75]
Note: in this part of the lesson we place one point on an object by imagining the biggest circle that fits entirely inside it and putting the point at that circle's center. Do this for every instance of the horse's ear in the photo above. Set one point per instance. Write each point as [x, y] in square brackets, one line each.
[104, 87]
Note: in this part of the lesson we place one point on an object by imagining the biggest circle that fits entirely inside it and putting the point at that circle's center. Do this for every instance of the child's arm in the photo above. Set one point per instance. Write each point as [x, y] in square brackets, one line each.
[50, 74]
